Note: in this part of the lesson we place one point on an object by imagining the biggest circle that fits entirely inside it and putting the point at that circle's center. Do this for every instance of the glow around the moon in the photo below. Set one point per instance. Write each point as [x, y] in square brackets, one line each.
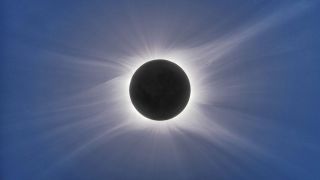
[197, 82]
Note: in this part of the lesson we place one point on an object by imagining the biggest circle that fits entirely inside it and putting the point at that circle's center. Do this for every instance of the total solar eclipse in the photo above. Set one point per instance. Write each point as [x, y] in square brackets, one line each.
[159, 89]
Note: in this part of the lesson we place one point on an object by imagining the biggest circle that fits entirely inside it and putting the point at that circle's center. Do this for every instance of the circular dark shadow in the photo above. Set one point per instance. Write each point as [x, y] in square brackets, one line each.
[159, 89]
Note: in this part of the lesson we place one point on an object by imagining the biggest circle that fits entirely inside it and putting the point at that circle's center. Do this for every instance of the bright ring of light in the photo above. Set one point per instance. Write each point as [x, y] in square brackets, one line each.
[189, 114]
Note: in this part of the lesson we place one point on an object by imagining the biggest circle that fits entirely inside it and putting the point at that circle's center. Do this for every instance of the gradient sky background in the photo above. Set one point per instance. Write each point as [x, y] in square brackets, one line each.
[262, 63]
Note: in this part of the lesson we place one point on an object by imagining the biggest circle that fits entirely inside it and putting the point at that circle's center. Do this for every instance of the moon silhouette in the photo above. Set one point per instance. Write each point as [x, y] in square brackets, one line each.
[159, 89]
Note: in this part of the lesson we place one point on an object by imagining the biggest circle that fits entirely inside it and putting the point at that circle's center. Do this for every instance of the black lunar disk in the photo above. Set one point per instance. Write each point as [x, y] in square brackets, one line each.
[159, 89]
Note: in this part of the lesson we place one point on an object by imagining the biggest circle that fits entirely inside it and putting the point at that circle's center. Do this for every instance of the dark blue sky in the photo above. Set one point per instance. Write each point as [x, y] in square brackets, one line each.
[262, 75]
